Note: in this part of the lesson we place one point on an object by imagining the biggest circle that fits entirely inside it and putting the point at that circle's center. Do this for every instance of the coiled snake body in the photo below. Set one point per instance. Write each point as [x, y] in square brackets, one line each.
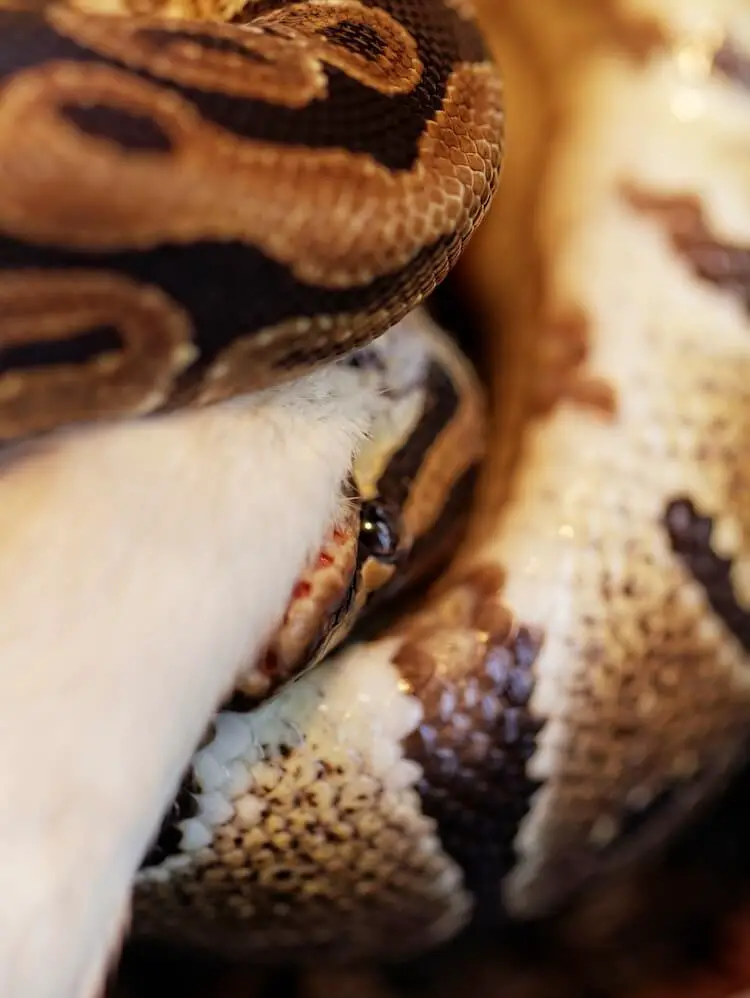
[200, 203]
[334, 156]
[580, 681]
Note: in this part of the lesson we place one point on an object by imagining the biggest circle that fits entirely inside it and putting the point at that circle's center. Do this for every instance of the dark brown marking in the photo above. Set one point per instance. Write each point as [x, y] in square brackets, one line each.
[474, 678]
[441, 403]
[212, 43]
[562, 373]
[432, 550]
[192, 275]
[358, 38]
[131, 131]
[690, 536]
[352, 115]
[90, 344]
[79, 348]
[640, 35]
[594, 393]
[724, 264]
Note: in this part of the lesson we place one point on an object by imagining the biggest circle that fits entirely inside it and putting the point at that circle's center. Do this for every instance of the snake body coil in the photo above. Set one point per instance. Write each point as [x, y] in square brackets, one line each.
[191, 210]
[565, 699]
[197, 204]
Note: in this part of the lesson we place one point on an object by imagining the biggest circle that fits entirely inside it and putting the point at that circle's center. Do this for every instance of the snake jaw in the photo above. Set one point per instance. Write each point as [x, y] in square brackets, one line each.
[318, 616]
[390, 533]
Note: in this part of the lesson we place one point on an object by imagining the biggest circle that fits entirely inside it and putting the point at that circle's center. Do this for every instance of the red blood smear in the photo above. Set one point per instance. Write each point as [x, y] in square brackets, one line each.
[324, 560]
[301, 590]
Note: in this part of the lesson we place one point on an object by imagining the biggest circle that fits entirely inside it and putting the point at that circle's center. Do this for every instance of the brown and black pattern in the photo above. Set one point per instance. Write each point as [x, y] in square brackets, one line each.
[129, 341]
[691, 536]
[294, 184]
[710, 257]
[471, 665]
[430, 479]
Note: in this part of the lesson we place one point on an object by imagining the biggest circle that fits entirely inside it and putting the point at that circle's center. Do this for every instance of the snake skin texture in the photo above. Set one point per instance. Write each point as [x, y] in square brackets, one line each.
[288, 810]
[624, 538]
[191, 209]
[203, 201]
[564, 699]
[579, 684]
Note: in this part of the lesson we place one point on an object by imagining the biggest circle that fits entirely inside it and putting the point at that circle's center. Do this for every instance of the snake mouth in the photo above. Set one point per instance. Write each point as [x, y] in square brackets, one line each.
[322, 805]
[318, 615]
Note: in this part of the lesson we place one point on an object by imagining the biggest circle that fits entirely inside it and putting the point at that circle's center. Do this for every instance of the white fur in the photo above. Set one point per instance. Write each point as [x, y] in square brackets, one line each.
[141, 565]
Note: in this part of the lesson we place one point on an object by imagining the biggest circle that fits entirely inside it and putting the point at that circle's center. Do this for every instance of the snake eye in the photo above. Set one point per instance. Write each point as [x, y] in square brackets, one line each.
[381, 530]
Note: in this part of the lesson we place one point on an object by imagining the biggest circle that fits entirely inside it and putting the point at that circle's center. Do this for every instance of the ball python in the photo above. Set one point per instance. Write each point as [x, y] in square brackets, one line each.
[201, 203]
[578, 683]
[528, 728]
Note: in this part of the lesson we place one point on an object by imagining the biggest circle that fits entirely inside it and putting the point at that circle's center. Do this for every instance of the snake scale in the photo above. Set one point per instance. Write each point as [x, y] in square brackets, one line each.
[198, 204]
[192, 210]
